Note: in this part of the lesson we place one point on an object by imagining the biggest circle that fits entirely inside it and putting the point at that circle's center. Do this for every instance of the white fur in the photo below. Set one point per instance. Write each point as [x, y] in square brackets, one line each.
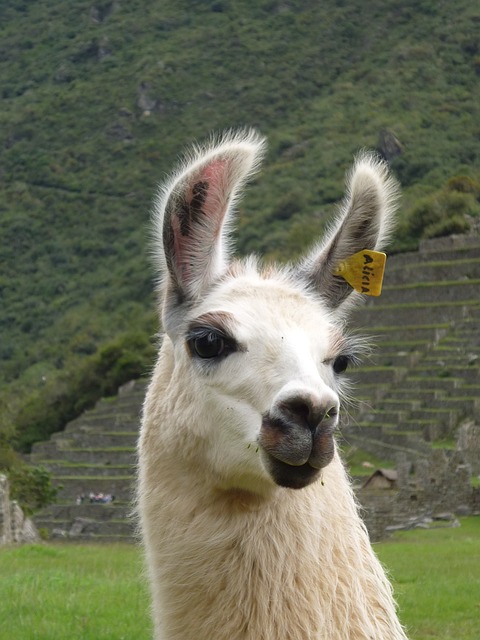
[230, 553]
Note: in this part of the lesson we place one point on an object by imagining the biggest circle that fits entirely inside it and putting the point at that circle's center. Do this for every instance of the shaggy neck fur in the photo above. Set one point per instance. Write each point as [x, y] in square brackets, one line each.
[293, 565]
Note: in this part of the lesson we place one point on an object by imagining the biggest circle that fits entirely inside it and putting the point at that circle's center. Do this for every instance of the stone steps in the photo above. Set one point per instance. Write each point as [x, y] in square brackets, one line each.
[385, 449]
[421, 381]
[95, 453]
[103, 456]
[426, 326]
[430, 292]
[452, 248]
[97, 538]
[431, 271]
[117, 510]
[444, 384]
[70, 487]
[104, 421]
[376, 375]
[395, 359]
[122, 527]
[413, 395]
[65, 468]
[92, 439]
[430, 333]
[414, 313]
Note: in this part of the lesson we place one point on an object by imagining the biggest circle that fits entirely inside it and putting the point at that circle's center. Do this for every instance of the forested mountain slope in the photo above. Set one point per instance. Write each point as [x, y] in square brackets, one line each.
[99, 97]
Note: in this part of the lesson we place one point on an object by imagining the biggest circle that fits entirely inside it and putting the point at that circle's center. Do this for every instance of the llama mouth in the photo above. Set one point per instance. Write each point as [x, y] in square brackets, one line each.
[289, 476]
[294, 455]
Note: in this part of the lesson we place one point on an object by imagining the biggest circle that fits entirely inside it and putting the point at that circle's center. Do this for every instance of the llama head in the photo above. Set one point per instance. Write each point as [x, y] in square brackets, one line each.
[261, 350]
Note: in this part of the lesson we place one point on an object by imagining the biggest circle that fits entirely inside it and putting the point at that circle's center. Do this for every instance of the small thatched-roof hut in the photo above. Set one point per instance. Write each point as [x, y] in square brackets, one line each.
[381, 479]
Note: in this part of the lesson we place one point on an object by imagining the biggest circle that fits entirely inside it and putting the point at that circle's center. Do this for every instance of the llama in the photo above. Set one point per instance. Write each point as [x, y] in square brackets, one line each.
[248, 518]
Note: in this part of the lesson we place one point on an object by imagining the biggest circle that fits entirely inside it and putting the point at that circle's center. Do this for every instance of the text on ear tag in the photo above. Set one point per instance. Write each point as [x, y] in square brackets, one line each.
[364, 271]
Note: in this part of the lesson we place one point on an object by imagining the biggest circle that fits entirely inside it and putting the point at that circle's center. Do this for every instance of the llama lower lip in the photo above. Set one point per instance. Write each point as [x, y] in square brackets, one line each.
[289, 476]
[323, 450]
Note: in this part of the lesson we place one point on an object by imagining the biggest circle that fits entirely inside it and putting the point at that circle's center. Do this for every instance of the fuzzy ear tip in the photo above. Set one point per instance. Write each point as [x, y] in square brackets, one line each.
[245, 140]
[368, 163]
[372, 170]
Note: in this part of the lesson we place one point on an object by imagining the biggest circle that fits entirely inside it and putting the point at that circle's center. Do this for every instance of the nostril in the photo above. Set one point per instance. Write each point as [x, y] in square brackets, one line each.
[298, 408]
[304, 411]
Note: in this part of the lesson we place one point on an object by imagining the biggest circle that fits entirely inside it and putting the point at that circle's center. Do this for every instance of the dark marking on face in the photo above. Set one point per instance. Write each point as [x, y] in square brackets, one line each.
[286, 440]
[323, 450]
[223, 321]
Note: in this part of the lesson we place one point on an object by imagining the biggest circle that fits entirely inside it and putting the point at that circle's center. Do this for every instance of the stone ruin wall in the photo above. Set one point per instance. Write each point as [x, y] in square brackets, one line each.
[5, 512]
[15, 527]
[439, 485]
[469, 444]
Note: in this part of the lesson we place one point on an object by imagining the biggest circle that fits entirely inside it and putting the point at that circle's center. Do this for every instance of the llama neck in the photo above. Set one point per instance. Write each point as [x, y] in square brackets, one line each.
[257, 569]
[230, 565]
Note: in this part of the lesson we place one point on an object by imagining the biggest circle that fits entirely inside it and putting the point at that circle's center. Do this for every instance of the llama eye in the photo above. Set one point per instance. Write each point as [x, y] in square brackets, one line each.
[340, 364]
[208, 344]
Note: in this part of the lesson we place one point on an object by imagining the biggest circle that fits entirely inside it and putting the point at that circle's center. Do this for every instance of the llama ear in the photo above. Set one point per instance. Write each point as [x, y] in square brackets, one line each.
[193, 211]
[364, 222]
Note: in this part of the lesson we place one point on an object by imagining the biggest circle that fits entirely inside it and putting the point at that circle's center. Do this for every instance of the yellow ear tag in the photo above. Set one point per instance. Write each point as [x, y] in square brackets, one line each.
[364, 271]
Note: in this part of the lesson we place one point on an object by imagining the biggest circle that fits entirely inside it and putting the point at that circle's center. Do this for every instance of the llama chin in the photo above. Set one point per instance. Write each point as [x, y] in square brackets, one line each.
[248, 519]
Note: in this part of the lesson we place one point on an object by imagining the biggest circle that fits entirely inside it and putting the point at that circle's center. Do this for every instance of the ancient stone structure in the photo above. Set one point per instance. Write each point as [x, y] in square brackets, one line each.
[468, 444]
[421, 389]
[428, 488]
[15, 527]
[5, 512]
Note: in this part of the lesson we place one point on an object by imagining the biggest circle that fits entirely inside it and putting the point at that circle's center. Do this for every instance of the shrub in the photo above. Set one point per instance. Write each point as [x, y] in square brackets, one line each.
[447, 226]
[31, 487]
[49, 409]
[464, 184]
[288, 205]
[447, 211]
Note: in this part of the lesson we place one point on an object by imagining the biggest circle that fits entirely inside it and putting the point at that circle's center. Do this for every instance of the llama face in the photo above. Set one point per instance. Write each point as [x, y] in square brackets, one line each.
[263, 361]
[261, 352]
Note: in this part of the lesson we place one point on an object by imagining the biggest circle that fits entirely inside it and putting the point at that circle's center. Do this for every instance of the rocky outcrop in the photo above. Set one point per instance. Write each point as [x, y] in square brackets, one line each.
[15, 526]
[468, 444]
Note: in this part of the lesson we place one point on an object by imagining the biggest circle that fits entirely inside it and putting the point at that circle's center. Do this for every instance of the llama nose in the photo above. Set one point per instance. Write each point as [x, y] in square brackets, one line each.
[307, 411]
[299, 428]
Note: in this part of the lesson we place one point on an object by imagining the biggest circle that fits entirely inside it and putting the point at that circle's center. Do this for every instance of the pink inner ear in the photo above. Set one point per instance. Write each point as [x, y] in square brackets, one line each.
[214, 171]
[199, 245]
[217, 198]
[182, 262]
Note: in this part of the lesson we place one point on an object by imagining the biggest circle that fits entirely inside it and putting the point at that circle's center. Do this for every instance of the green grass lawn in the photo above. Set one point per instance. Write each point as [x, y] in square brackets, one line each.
[93, 592]
[436, 574]
[73, 592]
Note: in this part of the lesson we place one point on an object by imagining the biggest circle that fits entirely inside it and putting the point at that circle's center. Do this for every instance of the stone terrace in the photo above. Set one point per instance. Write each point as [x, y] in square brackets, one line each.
[95, 453]
[423, 380]
[424, 377]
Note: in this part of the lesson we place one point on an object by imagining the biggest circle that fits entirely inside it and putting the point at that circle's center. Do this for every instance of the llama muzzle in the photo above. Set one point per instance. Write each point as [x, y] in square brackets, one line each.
[297, 438]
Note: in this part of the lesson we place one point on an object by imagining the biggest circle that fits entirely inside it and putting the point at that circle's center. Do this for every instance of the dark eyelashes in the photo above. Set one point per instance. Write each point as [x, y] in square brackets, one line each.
[341, 362]
[208, 343]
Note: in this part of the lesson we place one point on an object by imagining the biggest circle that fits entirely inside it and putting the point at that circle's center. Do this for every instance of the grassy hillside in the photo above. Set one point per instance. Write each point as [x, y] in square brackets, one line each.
[99, 97]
